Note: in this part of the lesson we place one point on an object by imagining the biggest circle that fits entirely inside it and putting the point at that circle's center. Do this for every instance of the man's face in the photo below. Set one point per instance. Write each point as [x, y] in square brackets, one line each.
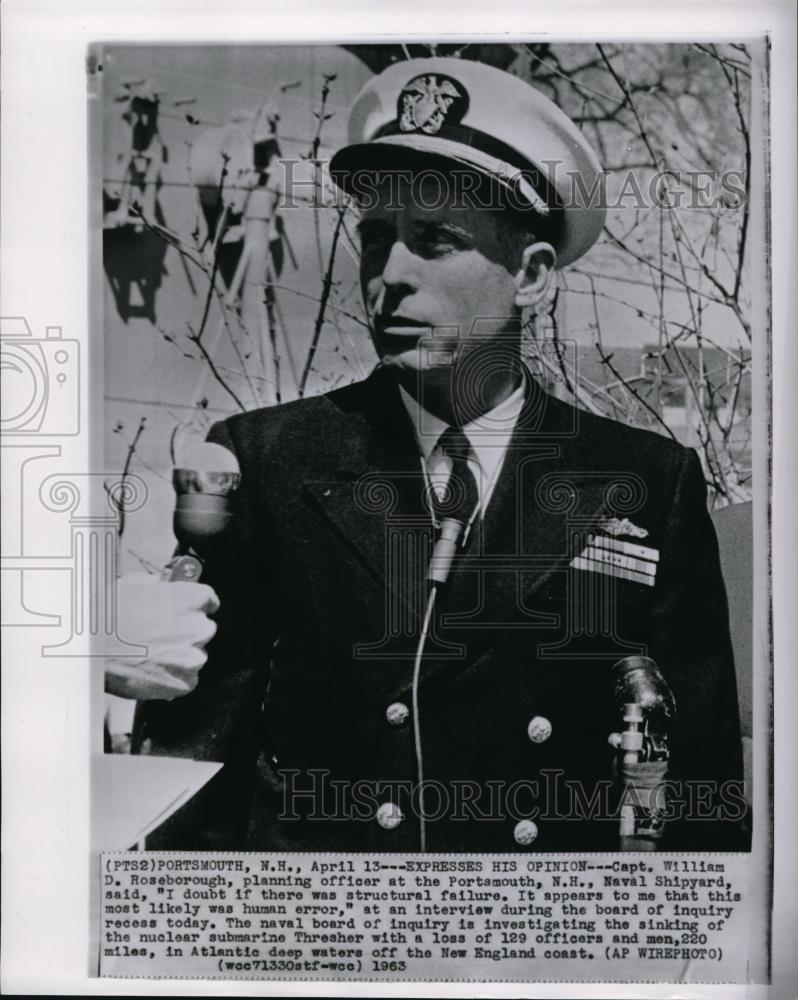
[430, 273]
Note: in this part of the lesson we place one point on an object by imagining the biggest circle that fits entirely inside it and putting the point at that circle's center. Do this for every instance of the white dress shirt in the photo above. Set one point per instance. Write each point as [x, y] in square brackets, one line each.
[488, 435]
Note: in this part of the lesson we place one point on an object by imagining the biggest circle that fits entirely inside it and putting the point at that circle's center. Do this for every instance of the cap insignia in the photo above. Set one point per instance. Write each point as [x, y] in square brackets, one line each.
[428, 102]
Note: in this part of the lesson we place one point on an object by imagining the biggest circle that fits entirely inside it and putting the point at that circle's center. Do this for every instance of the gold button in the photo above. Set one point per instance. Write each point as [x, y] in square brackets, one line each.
[539, 729]
[525, 832]
[397, 713]
[389, 816]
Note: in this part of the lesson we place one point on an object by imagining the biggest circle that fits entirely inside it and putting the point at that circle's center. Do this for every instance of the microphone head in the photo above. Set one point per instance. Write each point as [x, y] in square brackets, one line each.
[207, 468]
[445, 549]
[205, 482]
[637, 679]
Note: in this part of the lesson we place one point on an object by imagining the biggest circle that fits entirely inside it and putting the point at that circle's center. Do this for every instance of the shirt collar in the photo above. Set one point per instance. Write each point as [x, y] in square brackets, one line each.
[488, 435]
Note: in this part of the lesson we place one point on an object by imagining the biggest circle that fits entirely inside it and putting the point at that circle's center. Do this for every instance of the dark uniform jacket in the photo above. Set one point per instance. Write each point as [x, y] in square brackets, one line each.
[322, 592]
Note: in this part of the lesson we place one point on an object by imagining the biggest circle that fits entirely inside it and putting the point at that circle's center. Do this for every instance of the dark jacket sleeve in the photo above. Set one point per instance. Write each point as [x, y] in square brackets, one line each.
[692, 646]
[221, 720]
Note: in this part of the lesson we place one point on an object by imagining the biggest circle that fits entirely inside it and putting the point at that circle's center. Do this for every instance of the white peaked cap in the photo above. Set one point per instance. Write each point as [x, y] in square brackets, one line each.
[485, 119]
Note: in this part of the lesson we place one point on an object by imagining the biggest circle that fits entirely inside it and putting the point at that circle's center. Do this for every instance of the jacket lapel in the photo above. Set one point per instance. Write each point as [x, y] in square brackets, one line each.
[369, 486]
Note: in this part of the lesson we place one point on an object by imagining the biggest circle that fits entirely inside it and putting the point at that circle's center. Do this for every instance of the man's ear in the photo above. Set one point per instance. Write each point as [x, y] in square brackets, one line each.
[533, 279]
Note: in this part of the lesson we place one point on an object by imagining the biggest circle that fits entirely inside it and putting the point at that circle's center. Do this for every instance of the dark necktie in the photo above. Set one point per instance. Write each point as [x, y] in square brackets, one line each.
[461, 496]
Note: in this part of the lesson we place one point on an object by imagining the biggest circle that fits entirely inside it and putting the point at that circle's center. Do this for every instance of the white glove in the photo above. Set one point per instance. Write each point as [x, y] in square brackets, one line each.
[171, 620]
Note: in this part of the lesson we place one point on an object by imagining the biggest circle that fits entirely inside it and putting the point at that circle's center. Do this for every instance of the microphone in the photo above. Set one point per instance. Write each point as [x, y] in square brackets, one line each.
[443, 554]
[638, 682]
[454, 511]
[647, 707]
[205, 483]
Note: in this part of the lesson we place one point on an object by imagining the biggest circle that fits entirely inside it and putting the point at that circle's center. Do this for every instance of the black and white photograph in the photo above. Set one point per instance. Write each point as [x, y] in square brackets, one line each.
[467, 330]
[421, 553]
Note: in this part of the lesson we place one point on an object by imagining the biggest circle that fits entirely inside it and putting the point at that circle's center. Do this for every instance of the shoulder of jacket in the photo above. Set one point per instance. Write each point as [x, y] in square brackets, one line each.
[603, 440]
[272, 425]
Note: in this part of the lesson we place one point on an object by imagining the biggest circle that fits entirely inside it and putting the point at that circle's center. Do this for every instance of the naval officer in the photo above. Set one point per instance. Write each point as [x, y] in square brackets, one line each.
[353, 711]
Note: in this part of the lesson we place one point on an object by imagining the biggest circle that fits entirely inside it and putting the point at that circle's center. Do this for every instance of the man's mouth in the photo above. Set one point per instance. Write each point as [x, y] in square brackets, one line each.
[399, 326]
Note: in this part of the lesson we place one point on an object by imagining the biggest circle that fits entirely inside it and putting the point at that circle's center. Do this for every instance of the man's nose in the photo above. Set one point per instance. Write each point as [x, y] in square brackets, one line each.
[401, 266]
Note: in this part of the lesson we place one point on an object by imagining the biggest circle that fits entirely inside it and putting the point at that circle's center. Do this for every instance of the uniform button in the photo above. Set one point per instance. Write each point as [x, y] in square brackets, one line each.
[525, 832]
[397, 713]
[389, 816]
[539, 729]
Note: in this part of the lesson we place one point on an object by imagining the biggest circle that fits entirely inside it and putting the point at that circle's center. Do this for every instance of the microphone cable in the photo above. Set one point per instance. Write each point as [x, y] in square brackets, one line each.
[438, 573]
[422, 639]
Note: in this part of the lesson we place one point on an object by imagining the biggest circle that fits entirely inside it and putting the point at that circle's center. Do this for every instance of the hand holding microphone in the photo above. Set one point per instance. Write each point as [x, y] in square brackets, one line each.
[170, 614]
[172, 621]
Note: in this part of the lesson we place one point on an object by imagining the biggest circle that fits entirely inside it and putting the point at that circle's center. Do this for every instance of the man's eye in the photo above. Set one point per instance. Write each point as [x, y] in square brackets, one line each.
[440, 240]
[373, 240]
